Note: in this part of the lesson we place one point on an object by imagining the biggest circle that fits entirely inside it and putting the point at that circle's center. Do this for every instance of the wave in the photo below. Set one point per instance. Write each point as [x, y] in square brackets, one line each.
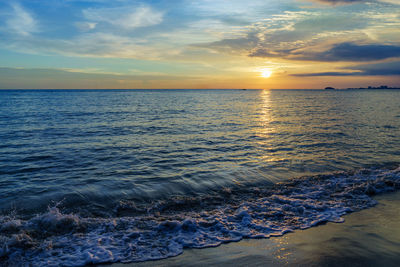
[141, 232]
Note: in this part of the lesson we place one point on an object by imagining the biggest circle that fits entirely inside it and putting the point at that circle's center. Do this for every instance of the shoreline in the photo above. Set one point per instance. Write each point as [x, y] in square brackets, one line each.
[368, 237]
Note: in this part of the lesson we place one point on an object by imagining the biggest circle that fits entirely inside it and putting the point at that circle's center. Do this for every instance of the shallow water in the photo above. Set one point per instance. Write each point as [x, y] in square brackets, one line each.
[189, 168]
[368, 238]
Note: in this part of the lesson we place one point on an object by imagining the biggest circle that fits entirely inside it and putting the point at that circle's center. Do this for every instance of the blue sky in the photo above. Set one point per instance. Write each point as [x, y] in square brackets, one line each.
[199, 44]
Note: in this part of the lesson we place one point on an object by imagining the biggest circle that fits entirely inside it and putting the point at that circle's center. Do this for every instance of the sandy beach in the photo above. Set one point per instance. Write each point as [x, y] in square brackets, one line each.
[370, 237]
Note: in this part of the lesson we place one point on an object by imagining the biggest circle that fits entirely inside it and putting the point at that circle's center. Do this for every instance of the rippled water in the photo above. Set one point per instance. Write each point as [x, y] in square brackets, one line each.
[108, 155]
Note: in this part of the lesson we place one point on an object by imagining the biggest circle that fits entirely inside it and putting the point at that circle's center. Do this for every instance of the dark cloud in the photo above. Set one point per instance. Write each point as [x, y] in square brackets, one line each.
[388, 68]
[380, 69]
[332, 73]
[354, 52]
[338, 52]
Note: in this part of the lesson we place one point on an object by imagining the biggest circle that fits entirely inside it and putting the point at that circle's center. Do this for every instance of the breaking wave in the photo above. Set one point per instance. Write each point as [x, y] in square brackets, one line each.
[141, 232]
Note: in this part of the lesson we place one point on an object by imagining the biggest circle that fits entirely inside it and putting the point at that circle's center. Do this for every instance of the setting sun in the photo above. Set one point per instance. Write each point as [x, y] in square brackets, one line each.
[266, 73]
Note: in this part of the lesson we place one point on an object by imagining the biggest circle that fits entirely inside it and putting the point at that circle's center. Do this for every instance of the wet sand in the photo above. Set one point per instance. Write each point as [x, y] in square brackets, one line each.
[367, 238]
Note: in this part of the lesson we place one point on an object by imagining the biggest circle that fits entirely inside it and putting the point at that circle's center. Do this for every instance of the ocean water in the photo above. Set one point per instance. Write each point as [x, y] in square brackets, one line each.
[97, 176]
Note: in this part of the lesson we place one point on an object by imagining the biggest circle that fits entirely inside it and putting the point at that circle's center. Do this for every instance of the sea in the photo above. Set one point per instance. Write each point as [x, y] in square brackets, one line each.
[103, 176]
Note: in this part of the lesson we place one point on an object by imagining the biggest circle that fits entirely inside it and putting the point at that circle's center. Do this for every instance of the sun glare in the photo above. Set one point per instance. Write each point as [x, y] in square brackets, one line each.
[266, 73]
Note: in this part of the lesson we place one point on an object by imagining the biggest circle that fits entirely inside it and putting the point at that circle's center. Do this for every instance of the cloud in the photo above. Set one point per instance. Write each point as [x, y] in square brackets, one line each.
[234, 45]
[118, 29]
[92, 44]
[386, 68]
[328, 73]
[101, 32]
[378, 69]
[395, 2]
[85, 26]
[125, 17]
[21, 21]
[346, 2]
[354, 52]
[338, 52]
[43, 72]
[41, 78]
[269, 32]
[335, 2]
[320, 35]
[294, 35]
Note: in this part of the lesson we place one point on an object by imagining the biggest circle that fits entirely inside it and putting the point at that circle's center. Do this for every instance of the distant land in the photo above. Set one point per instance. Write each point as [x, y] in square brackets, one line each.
[372, 87]
[368, 88]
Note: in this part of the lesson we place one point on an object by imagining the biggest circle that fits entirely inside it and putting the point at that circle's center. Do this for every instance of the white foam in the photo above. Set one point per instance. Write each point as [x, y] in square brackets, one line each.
[55, 239]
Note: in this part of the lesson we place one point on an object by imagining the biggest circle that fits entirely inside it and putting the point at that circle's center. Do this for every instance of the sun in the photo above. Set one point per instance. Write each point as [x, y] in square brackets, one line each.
[266, 73]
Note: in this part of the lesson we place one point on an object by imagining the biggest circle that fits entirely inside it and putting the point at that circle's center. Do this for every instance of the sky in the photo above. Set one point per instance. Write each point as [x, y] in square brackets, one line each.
[268, 44]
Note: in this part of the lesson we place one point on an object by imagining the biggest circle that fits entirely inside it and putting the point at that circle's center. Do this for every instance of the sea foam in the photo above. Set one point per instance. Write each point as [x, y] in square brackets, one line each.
[163, 229]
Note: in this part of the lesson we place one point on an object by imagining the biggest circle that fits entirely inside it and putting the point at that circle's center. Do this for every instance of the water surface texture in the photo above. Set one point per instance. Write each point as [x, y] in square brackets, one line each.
[191, 168]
